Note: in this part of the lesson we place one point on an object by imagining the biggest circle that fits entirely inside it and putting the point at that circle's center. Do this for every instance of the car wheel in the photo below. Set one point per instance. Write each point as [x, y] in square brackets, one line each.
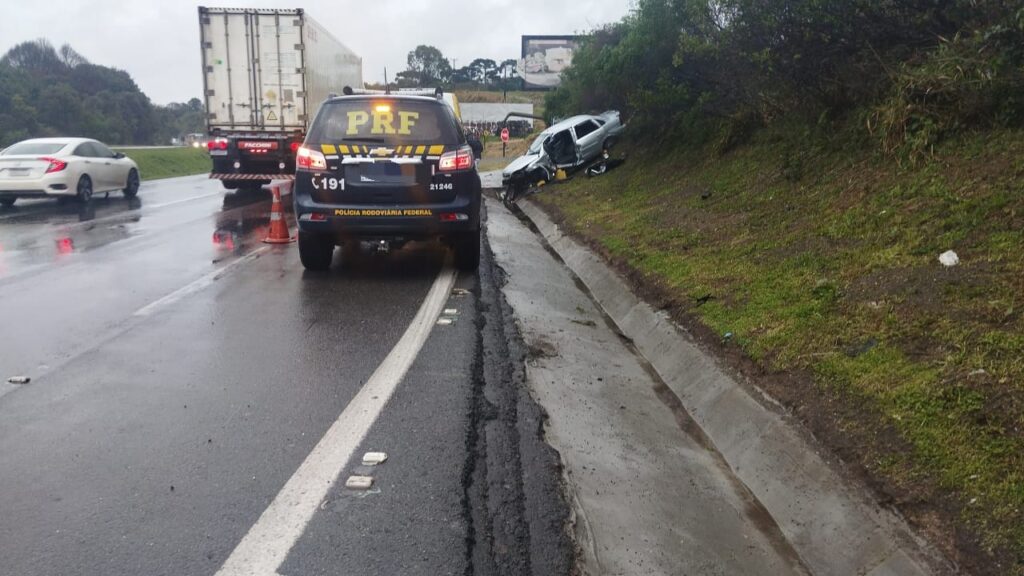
[467, 251]
[315, 251]
[508, 197]
[229, 185]
[131, 187]
[8, 202]
[84, 189]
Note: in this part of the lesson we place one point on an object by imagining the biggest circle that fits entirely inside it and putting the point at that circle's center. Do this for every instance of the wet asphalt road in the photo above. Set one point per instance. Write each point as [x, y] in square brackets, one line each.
[169, 405]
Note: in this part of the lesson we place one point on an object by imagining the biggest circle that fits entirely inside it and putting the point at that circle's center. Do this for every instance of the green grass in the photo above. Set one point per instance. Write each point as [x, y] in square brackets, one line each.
[813, 247]
[156, 163]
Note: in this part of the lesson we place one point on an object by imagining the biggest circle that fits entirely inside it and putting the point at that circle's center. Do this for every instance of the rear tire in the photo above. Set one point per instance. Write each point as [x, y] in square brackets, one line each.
[84, 190]
[229, 185]
[467, 251]
[131, 186]
[315, 251]
[8, 202]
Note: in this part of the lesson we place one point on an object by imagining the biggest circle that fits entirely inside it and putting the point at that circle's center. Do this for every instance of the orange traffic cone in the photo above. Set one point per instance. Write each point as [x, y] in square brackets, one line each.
[278, 226]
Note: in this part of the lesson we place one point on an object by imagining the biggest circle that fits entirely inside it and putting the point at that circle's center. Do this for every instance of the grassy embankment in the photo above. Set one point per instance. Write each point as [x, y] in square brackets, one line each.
[821, 258]
[156, 163]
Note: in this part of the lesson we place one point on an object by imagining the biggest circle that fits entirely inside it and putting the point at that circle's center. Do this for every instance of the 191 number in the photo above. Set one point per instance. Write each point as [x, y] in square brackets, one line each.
[326, 183]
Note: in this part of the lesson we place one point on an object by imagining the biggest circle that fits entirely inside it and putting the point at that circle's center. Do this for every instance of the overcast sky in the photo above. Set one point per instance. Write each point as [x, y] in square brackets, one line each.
[157, 41]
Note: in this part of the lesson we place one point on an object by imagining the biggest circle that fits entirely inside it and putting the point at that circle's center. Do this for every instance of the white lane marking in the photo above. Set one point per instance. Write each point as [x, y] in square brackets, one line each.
[268, 542]
[181, 201]
[198, 284]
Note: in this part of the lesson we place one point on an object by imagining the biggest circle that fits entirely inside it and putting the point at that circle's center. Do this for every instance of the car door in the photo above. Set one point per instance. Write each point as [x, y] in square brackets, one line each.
[561, 149]
[85, 162]
[113, 174]
[588, 140]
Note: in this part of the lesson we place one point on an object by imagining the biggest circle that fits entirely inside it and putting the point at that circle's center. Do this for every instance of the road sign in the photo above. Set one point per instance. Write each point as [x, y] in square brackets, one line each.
[504, 134]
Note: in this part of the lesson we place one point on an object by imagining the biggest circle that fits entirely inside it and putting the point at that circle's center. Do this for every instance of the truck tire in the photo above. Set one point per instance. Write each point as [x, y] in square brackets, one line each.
[467, 251]
[315, 251]
[229, 185]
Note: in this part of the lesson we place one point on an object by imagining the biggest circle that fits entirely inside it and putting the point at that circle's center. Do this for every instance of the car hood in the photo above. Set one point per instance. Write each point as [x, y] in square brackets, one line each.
[520, 163]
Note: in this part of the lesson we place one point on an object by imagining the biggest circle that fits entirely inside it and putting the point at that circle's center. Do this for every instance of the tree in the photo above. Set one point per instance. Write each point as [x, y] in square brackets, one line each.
[462, 76]
[35, 56]
[483, 70]
[428, 66]
[49, 92]
[70, 57]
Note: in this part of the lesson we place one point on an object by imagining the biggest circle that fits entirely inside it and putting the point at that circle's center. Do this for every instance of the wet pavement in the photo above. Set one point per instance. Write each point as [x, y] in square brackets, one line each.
[182, 372]
[197, 403]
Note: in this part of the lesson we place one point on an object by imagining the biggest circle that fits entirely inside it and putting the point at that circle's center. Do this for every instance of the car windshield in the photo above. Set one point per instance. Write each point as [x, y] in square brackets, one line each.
[33, 148]
[538, 143]
[389, 121]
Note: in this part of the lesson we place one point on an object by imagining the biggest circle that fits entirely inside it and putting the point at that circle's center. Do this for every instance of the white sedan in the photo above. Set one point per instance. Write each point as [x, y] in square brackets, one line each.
[64, 167]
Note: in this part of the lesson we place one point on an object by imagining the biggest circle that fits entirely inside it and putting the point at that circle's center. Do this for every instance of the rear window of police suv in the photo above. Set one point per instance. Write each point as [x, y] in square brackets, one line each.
[388, 121]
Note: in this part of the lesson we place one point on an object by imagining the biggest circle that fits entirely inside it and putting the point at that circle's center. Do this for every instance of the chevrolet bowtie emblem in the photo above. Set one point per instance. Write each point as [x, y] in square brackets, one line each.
[382, 151]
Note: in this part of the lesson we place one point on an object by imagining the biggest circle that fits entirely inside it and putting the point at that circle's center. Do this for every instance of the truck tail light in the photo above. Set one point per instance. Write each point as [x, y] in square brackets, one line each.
[461, 159]
[217, 144]
[55, 164]
[295, 146]
[310, 159]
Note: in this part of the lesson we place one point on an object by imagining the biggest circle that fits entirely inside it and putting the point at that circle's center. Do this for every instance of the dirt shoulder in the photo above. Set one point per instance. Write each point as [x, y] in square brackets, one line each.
[815, 274]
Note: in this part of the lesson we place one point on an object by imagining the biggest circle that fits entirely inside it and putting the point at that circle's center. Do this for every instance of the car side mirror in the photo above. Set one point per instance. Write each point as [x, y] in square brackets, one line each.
[118, 155]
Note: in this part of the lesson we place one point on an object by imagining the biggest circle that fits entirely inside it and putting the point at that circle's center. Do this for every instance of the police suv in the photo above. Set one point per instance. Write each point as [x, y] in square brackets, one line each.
[387, 168]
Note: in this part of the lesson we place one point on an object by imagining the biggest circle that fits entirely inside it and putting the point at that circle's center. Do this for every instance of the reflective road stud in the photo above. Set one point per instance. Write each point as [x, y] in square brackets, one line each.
[374, 458]
[359, 482]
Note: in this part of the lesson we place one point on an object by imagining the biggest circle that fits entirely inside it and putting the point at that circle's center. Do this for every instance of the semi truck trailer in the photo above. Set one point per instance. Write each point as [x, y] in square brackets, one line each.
[265, 74]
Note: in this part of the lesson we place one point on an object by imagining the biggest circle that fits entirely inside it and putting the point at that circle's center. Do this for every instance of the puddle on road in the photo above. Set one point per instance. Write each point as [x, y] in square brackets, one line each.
[43, 233]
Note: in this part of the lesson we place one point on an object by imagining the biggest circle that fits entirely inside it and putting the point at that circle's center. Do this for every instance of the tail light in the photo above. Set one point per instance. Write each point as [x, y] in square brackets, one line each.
[295, 146]
[217, 144]
[310, 159]
[55, 164]
[461, 159]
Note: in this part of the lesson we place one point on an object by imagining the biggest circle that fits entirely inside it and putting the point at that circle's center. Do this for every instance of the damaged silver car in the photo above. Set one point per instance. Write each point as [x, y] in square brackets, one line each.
[570, 144]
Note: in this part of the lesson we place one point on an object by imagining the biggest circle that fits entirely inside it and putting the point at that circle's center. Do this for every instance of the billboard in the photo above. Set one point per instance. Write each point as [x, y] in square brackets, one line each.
[544, 59]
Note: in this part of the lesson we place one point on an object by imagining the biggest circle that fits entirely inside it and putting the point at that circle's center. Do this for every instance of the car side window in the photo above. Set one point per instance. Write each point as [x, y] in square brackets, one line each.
[584, 129]
[102, 151]
[84, 150]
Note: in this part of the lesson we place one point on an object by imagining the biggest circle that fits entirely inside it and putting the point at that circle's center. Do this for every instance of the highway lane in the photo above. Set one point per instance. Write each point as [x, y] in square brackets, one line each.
[171, 406]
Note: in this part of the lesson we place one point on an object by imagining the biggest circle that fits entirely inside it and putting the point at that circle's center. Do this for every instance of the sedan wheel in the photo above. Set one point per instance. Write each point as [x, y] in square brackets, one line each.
[84, 189]
[131, 187]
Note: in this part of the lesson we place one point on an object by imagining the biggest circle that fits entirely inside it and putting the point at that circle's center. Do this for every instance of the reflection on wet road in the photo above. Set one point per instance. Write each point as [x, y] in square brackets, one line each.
[70, 275]
[35, 235]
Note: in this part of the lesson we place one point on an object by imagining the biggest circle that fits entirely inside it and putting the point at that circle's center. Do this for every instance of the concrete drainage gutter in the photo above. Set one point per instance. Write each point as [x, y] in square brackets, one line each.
[836, 528]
